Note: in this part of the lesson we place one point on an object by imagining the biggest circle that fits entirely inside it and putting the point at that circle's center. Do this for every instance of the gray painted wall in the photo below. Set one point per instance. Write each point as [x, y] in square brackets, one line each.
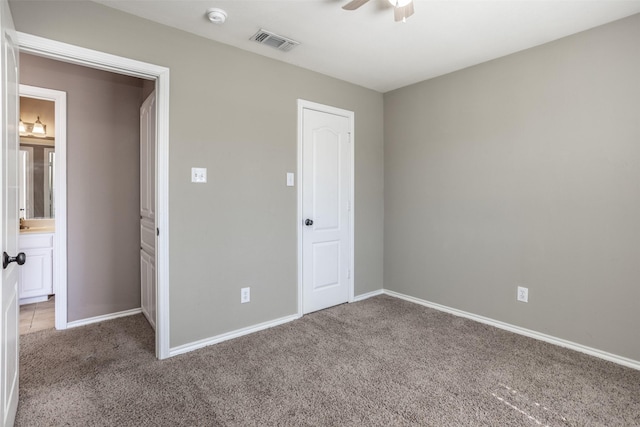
[103, 184]
[524, 171]
[234, 113]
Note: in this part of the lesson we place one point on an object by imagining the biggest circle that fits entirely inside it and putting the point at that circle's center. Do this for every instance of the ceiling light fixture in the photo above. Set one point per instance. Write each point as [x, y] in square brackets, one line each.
[402, 9]
[216, 16]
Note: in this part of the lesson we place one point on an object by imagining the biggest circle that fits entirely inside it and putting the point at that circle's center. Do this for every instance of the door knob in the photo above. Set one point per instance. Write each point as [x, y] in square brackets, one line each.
[308, 222]
[6, 259]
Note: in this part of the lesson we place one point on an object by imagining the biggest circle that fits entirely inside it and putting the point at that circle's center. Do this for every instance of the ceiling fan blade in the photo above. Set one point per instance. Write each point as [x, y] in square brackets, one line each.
[354, 4]
[402, 13]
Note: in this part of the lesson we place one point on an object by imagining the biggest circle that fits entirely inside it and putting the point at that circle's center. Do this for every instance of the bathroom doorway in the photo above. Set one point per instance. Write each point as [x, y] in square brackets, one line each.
[159, 76]
[42, 206]
[102, 267]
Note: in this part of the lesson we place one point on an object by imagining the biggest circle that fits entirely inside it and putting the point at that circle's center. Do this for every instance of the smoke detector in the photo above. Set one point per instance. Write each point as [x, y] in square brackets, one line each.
[216, 16]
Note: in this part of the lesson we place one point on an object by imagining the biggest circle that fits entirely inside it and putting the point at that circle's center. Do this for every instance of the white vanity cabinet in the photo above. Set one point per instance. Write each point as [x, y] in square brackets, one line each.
[36, 275]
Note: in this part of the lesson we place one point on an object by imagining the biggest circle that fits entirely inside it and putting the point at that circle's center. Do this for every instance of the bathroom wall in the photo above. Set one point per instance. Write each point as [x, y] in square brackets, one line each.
[32, 109]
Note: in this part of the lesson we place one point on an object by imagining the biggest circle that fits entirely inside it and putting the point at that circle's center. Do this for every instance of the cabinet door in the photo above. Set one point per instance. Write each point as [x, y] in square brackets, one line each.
[36, 278]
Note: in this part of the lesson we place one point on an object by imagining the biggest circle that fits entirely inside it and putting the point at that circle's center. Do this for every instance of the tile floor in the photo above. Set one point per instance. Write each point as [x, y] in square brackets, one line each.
[37, 316]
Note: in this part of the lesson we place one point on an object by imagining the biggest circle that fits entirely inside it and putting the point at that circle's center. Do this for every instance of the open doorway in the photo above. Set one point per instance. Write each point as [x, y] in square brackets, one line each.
[160, 76]
[42, 205]
[103, 266]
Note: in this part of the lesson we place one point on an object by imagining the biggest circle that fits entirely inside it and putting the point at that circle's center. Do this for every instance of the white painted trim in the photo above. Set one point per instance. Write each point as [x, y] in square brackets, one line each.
[103, 318]
[299, 213]
[87, 57]
[117, 64]
[368, 295]
[304, 104]
[230, 335]
[60, 236]
[162, 215]
[635, 364]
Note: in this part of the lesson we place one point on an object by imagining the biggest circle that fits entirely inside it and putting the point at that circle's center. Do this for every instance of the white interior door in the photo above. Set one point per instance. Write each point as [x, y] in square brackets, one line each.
[326, 204]
[148, 208]
[9, 218]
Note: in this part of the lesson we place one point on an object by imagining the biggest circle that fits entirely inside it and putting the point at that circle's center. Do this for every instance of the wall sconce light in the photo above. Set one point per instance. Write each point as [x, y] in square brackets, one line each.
[38, 128]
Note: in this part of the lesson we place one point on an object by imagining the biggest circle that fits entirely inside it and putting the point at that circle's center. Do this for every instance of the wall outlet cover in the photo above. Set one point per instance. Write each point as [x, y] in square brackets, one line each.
[523, 294]
[245, 295]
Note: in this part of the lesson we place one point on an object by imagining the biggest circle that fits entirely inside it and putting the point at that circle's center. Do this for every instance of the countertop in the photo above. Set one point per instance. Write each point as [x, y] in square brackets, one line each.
[34, 230]
[37, 225]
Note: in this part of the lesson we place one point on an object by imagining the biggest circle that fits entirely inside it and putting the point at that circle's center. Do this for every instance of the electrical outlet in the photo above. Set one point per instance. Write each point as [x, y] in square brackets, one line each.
[245, 295]
[523, 294]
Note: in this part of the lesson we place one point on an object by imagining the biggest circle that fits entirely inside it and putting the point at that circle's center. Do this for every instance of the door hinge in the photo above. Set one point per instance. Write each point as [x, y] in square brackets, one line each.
[349, 133]
[157, 231]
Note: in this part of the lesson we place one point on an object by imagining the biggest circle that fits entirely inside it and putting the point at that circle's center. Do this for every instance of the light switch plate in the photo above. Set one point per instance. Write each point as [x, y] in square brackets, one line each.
[290, 179]
[199, 175]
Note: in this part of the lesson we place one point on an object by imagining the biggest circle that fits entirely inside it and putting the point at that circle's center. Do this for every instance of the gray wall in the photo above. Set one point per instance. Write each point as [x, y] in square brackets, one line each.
[524, 171]
[234, 113]
[103, 184]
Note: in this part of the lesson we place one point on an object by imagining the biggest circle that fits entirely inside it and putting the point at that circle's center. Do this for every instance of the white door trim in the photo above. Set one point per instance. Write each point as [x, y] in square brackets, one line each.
[103, 61]
[302, 105]
[60, 236]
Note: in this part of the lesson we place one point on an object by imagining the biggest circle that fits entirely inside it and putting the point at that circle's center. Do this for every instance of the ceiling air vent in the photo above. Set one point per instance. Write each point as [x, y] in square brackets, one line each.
[270, 39]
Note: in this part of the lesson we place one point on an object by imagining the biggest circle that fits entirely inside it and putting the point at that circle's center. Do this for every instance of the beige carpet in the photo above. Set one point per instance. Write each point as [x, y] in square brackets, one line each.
[382, 361]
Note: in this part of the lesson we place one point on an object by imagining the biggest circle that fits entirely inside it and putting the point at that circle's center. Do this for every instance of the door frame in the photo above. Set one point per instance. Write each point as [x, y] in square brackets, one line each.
[117, 64]
[60, 178]
[309, 105]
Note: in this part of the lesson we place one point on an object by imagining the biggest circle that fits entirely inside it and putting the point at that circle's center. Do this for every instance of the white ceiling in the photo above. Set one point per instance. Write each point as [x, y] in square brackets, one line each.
[368, 48]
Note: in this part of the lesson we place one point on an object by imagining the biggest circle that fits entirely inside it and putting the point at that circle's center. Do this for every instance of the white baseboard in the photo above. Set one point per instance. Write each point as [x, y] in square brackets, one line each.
[367, 295]
[90, 320]
[185, 348]
[522, 331]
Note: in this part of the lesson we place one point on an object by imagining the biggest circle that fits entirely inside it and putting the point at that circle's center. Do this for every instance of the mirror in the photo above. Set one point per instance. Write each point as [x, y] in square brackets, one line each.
[36, 158]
